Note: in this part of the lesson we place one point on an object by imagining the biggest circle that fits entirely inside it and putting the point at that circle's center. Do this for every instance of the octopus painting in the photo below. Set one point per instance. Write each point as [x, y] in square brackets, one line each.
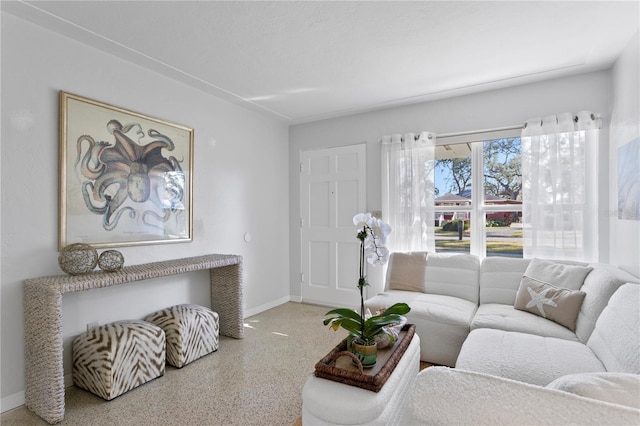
[126, 170]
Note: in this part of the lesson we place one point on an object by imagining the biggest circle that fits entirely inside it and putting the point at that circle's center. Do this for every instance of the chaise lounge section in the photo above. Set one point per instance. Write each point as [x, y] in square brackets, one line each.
[613, 346]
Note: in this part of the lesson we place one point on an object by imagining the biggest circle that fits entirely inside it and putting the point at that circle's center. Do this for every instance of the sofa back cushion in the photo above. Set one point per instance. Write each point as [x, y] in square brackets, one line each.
[453, 275]
[406, 271]
[615, 339]
[562, 274]
[599, 286]
[500, 279]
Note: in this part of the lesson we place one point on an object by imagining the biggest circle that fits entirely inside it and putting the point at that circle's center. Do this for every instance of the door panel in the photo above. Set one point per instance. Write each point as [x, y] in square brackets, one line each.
[333, 190]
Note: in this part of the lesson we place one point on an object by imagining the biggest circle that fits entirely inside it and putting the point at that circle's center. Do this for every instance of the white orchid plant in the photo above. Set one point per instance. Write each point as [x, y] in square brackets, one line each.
[372, 233]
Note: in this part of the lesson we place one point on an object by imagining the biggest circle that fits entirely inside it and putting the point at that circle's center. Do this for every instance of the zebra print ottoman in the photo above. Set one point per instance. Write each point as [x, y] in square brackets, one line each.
[114, 358]
[191, 332]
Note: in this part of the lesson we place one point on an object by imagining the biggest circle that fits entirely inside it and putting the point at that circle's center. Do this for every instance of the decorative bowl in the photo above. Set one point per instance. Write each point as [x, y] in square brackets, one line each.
[384, 341]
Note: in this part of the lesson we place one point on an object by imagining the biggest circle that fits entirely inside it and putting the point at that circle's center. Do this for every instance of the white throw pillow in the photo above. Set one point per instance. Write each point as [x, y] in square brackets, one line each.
[558, 274]
[617, 388]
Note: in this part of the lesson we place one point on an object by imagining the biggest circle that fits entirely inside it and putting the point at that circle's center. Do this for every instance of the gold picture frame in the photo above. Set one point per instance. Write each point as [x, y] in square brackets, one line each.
[125, 178]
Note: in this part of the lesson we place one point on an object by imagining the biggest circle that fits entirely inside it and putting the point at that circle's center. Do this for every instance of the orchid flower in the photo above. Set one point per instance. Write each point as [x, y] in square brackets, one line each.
[372, 233]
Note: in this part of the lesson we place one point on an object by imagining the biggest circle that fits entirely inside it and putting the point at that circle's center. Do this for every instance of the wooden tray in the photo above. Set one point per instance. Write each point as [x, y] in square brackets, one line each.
[338, 366]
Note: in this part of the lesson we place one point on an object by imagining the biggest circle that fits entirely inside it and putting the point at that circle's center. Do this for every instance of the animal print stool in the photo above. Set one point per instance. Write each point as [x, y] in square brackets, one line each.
[114, 358]
[191, 331]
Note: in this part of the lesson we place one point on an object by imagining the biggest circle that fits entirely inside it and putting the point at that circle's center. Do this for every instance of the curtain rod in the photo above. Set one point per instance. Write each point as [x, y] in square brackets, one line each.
[495, 129]
[476, 132]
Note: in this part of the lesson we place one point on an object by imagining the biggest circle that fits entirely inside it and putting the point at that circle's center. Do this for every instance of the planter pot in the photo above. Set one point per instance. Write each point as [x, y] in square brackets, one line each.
[367, 354]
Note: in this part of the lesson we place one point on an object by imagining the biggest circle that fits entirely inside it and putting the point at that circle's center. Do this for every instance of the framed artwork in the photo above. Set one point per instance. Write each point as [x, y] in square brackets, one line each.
[125, 178]
[629, 180]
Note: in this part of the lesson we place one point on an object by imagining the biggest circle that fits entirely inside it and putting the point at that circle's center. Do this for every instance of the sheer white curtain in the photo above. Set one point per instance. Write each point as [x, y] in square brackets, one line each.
[560, 187]
[408, 190]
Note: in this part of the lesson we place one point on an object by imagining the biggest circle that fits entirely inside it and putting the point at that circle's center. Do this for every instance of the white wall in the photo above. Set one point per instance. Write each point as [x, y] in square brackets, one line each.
[496, 108]
[240, 186]
[625, 126]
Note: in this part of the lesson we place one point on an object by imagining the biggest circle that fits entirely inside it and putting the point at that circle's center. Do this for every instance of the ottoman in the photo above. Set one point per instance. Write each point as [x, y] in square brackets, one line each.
[191, 332]
[114, 358]
[325, 402]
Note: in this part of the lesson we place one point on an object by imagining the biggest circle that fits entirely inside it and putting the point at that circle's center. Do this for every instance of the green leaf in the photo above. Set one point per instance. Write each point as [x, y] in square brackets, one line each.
[350, 320]
[385, 319]
[372, 330]
[350, 324]
[343, 312]
[398, 308]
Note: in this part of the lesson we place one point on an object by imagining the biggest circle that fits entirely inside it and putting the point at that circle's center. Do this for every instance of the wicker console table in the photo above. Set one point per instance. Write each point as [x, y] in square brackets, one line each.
[44, 373]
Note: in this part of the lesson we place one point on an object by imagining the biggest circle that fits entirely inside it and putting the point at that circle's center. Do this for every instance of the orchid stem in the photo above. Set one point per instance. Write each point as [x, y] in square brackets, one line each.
[361, 282]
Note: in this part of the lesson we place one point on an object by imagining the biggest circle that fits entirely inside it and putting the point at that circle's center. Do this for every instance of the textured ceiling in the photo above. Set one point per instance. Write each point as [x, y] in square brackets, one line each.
[304, 61]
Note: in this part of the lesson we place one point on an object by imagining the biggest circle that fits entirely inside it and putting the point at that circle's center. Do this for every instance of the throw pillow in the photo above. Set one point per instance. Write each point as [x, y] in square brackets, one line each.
[406, 271]
[559, 274]
[617, 388]
[559, 305]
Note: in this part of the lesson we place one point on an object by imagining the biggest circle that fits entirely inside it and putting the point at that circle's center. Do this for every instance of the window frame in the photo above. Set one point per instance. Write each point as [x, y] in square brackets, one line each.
[478, 209]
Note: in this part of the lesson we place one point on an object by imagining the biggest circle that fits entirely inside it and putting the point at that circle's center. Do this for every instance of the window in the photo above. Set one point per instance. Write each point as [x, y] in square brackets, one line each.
[478, 204]
[522, 191]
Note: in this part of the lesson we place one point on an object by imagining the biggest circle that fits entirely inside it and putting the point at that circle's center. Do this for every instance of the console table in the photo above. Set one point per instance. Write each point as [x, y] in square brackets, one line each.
[44, 373]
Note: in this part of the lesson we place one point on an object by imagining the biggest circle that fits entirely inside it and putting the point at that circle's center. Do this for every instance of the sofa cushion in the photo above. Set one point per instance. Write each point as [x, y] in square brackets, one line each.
[507, 318]
[442, 322]
[525, 357]
[599, 286]
[447, 309]
[500, 278]
[406, 271]
[559, 305]
[559, 274]
[616, 337]
[453, 275]
[388, 298]
[617, 388]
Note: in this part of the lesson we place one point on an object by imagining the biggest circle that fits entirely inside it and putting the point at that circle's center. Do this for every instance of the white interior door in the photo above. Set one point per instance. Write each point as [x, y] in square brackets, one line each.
[333, 190]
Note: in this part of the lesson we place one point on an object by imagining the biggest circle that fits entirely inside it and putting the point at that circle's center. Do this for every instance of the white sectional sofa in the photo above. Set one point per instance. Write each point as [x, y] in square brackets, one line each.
[448, 396]
[466, 316]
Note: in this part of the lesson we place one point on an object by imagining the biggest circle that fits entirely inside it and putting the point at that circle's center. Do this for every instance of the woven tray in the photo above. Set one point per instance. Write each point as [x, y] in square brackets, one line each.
[342, 366]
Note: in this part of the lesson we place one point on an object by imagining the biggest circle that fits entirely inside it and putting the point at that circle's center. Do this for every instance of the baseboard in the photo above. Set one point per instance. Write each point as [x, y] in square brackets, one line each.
[266, 306]
[17, 399]
[317, 303]
[297, 299]
[68, 380]
[12, 401]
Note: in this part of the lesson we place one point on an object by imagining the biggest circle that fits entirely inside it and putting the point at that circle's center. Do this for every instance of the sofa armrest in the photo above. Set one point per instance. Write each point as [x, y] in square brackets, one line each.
[449, 396]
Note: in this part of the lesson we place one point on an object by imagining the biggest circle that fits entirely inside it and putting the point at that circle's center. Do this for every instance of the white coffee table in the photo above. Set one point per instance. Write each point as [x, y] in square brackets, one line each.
[325, 402]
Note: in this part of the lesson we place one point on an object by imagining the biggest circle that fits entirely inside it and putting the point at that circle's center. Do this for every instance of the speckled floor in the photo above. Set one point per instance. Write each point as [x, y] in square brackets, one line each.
[253, 381]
